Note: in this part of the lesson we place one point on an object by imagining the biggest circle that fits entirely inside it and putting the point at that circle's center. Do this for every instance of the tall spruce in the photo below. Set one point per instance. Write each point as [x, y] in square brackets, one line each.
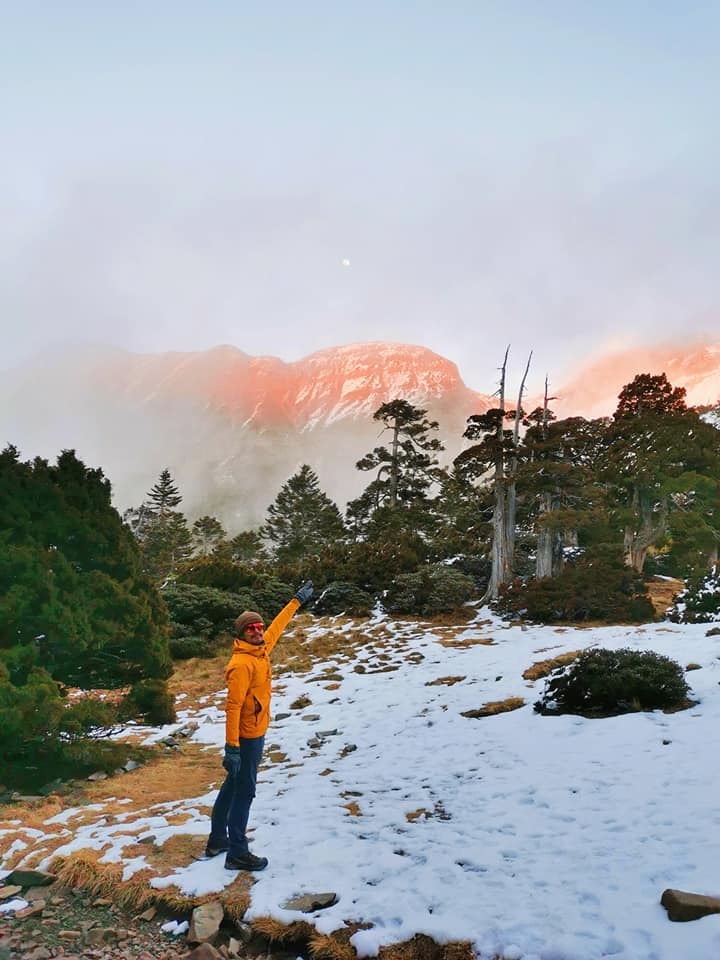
[207, 535]
[302, 519]
[162, 529]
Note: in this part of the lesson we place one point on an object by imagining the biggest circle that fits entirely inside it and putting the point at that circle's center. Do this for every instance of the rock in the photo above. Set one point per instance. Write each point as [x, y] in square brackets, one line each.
[10, 891]
[33, 910]
[102, 902]
[204, 952]
[98, 775]
[35, 893]
[148, 914]
[69, 934]
[327, 733]
[310, 716]
[39, 953]
[281, 716]
[205, 922]
[348, 748]
[234, 946]
[100, 935]
[310, 902]
[682, 906]
[713, 632]
[131, 765]
[150, 838]
[31, 878]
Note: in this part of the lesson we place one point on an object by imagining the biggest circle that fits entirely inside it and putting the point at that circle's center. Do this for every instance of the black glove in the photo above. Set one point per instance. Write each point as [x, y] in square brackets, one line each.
[231, 760]
[305, 592]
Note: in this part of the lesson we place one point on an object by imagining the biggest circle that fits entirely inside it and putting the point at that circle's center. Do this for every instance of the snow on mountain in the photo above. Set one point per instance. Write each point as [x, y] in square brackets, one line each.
[594, 392]
[230, 427]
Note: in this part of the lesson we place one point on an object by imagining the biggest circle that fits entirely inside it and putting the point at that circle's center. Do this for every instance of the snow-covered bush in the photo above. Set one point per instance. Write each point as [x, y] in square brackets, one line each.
[614, 681]
[699, 602]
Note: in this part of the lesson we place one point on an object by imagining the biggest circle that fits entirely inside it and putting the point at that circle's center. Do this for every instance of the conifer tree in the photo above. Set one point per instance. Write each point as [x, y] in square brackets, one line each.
[302, 519]
[162, 529]
[407, 467]
[207, 534]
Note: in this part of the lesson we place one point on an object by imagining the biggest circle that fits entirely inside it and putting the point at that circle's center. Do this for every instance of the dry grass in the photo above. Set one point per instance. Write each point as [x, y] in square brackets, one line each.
[444, 681]
[82, 871]
[495, 707]
[662, 593]
[301, 702]
[353, 809]
[422, 947]
[542, 668]
[466, 642]
[297, 934]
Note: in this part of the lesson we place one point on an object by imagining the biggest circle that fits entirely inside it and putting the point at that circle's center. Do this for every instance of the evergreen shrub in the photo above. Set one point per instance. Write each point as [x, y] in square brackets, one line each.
[343, 597]
[431, 590]
[598, 591]
[699, 602]
[614, 681]
[151, 701]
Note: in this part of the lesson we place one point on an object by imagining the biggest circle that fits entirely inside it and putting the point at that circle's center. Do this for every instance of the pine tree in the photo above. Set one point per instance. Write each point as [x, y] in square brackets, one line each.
[302, 519]
[164, 496]
[406, 468]
[207, 534]
[165, 539]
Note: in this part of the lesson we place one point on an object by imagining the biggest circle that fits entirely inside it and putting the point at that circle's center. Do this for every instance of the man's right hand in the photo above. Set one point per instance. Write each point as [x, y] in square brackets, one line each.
[231, 760]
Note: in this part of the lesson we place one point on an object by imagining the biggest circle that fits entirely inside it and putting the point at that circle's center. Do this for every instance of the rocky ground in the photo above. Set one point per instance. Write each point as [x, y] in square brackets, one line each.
[69, 923]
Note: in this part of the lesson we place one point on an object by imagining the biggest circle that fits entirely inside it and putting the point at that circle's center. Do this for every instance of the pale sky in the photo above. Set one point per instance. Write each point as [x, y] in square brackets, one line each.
[177, 175]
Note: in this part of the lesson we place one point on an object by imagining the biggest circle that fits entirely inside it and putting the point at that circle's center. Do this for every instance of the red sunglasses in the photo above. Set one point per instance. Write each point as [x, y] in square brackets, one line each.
[257, 627]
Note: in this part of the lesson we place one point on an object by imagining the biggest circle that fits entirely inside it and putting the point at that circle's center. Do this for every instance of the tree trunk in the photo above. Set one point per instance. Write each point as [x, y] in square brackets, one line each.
[652, 524]
[394, 469]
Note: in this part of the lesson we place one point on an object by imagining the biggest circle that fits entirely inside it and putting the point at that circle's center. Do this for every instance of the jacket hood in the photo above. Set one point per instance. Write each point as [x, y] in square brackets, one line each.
[254, 649]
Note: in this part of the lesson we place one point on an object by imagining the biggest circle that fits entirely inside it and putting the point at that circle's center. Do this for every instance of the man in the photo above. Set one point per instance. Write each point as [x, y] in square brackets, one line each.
[247, 713]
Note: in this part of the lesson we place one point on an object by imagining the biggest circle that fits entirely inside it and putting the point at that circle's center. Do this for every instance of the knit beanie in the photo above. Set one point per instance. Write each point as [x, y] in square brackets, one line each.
[246, 617]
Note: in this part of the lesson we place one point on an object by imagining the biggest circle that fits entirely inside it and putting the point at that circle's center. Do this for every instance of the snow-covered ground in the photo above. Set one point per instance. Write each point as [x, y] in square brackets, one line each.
[541, 838]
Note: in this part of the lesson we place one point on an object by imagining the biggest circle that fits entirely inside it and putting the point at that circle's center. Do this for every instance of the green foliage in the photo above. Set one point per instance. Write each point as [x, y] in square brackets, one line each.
[151, 701]
[302, 519]
[699, 602]
[433, 589]
[599, 589]
[615, 681]
[370, 566]
[406, 468]
[207, 534]
[202, 614]
[648, 394]
[161, 529]
[342, 597]
[220, 573]
[75, 609]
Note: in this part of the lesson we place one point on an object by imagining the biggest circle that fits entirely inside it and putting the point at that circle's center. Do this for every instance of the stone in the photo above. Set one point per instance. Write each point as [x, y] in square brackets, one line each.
[33, 894]
[205, 922]
[69, 934]
[281, 716]
[33, 910]
[682, 906]
[98, 775]
[102, 902]
[148, 914]
[234, 946]
[100, 935]
[10, 891]
[310, 902]
[31, 878]
[131, 765]
[39, 953]
[204, 952]
[310, 716]
[713, 632]
[150, 838]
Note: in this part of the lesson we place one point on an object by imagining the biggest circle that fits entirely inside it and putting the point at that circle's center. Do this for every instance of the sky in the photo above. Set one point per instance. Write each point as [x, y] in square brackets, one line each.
[534, 837]
[289, 177]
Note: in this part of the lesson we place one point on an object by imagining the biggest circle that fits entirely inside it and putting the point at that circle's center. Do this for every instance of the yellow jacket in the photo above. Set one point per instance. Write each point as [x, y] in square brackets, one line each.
[249, 681]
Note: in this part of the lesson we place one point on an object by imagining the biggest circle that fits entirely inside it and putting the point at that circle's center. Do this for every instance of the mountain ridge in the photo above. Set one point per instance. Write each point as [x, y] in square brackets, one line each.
[233, 427]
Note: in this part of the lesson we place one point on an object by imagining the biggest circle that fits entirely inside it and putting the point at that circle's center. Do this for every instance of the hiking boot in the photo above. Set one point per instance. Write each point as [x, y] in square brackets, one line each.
[213, 849]
[245, 861]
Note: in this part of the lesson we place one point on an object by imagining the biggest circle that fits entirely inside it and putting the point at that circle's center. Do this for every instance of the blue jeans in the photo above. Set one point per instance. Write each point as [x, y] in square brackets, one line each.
[232, 807]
